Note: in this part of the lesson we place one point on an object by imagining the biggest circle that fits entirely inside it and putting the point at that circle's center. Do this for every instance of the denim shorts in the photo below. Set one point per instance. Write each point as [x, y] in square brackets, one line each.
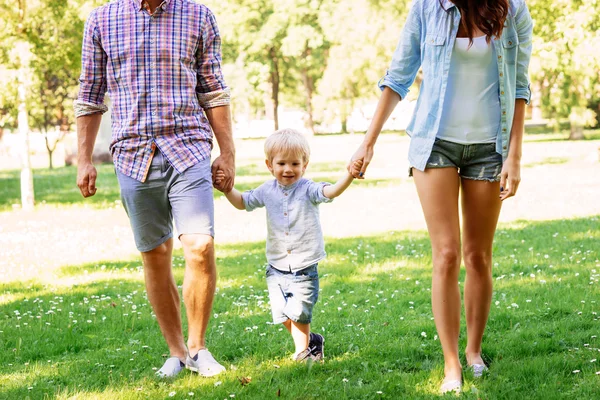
[166, 195]
[293, 294]
[478, 161]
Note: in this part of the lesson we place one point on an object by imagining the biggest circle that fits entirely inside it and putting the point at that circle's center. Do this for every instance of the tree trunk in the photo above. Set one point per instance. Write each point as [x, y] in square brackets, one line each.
[308, 91]
[309, 88]
[576, 132]
[27, 196]
[275, 85]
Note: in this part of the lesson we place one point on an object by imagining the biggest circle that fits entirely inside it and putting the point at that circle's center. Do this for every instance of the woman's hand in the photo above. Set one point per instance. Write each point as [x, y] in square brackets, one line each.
[510, 177]
[363, 155]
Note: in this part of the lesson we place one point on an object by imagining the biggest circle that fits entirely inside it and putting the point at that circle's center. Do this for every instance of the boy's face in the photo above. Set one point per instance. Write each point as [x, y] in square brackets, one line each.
[287, 168]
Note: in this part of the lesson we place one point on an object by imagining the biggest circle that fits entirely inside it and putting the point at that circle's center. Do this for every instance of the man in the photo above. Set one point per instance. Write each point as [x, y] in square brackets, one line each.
[160, 63]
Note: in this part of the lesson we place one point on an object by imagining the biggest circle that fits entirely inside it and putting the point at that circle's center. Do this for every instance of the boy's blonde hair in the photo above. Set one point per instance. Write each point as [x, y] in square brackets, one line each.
[287, 142]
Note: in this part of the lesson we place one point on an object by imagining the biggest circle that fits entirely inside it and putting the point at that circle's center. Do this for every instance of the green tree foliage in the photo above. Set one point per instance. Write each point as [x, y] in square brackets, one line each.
[566, 59]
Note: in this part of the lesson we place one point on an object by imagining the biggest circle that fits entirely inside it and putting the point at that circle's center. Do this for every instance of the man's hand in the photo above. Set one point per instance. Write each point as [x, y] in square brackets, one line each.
[224, 168]
[86, 179]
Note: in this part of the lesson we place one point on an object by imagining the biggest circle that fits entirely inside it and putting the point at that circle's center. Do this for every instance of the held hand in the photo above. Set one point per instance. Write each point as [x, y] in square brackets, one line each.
[356, 167]
[363, 154]
[223, 169]
[219, 178]
[86, 179]
[510, 177]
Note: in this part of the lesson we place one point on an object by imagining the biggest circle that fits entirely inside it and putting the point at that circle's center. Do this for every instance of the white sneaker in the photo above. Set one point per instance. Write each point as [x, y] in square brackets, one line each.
[204, 364]
[170, 368]
[451, 386]
[478, 370]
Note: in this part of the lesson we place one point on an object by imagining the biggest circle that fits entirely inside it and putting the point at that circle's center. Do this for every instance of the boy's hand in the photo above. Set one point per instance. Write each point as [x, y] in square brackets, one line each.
[218, 179]
[356, 167]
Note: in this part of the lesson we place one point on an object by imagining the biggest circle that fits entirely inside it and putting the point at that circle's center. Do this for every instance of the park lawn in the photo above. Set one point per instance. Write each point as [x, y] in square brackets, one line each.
[90, 332]
[57, 187]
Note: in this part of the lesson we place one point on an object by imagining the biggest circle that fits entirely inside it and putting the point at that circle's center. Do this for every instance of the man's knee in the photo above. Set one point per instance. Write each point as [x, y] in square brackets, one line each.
[198, 247]
[163, 249]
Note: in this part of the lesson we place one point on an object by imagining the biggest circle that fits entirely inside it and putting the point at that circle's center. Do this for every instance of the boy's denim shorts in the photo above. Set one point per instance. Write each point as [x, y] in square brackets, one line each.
[166, 195]
[293, 294]
[478, 161]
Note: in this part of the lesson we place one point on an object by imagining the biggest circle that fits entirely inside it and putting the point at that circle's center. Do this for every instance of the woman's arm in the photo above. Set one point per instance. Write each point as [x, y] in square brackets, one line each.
[387, 102]
[395, 84]
[510, 177]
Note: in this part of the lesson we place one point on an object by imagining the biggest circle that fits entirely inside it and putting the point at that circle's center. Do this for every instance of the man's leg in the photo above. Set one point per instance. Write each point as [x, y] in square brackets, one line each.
[164, 297]
[198, 286]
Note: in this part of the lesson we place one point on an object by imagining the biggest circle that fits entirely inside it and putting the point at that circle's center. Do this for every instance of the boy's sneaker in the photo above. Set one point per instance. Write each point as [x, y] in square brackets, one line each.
[316, 345]
[204, 364]
[304, 355]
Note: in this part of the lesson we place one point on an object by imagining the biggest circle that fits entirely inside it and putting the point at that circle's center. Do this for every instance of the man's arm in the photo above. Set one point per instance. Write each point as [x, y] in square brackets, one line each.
[220, 121]
[87, 130]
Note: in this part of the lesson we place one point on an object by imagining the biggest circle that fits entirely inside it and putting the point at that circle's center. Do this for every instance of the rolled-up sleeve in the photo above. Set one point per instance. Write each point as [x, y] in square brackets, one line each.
[315, 192]
[211, 89]
[254, 198]
[407, 56]
[524, 26]
[92, 81]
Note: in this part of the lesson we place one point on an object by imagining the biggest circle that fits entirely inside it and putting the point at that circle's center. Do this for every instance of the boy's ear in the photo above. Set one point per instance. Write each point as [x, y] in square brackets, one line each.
[269, 165]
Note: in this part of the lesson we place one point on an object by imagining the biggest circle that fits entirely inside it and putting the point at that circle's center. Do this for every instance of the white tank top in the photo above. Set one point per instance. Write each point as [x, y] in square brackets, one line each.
[471, 112]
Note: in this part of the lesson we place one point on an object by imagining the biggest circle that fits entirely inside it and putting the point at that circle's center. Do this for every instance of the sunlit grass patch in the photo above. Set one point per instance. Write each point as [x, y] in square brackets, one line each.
[91, 333]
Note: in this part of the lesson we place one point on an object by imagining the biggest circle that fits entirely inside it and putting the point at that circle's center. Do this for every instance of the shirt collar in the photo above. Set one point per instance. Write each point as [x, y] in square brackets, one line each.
[139, 4]
[448, 4]
[288, 187]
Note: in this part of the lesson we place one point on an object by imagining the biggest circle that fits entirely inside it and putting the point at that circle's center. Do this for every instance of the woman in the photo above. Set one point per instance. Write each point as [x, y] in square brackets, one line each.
[466, 135]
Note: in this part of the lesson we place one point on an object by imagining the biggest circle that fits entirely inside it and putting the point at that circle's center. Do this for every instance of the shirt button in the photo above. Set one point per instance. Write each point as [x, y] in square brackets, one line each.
[153, 112]
[503, 129]
[501, 74]
[285, 194]
[502, 93]
[289, 252]
[503, 112]
[287, 233]
[285, 214]
[499, 57]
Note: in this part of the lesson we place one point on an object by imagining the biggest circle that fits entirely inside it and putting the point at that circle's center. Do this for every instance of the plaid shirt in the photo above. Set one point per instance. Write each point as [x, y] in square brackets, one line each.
[160, 72]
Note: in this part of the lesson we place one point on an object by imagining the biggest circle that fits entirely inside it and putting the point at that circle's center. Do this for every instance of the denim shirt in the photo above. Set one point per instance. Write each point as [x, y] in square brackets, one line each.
[427, 41]
[294, 238]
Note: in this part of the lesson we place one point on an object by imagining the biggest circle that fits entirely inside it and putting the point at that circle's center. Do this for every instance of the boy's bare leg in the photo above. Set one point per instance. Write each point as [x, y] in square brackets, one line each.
[300, 334]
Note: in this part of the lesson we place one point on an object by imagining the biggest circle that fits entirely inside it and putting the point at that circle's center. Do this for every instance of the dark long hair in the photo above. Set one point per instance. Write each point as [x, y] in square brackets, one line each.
[487, 15]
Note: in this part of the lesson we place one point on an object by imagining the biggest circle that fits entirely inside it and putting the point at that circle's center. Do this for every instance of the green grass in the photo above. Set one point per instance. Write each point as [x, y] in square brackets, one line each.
[57, 187]
[548, 161]
[90, 332]
[542, 135]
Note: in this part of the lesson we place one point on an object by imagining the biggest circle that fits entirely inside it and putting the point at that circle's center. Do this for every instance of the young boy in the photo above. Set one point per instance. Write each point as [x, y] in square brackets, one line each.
[295, 239]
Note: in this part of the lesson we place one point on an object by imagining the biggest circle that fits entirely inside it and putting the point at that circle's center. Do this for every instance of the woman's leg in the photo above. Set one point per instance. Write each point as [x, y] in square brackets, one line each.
[480, 209]
[438, 191]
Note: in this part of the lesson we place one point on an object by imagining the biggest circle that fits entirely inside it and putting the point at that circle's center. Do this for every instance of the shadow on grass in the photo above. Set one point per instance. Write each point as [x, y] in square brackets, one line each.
[374, 309]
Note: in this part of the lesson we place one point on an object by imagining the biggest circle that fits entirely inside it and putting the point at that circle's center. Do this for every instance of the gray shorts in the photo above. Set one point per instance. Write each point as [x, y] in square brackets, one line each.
[293, 294]
[166, 195]
[478, 161]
